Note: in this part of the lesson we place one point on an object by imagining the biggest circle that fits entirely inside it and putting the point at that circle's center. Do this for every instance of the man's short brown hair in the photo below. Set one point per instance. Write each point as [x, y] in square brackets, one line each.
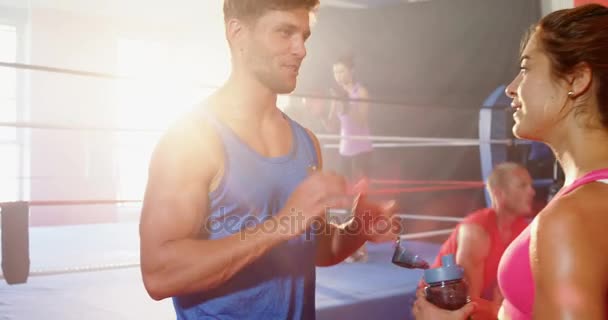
[501, 174]
[253, 9]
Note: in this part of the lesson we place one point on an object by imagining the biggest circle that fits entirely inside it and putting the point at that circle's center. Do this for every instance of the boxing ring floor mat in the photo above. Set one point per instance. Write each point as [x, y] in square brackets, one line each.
[376, 289]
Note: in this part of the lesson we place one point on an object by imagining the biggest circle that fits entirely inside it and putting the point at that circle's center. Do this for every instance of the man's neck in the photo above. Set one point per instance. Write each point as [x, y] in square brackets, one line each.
[243, 97]
[505, 217]
[504, 220]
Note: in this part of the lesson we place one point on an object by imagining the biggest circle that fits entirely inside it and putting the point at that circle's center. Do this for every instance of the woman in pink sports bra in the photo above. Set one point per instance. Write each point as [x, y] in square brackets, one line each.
[557, 268]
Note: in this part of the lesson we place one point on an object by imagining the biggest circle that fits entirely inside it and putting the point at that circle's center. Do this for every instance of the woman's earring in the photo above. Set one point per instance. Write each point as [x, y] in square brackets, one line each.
[570, 94]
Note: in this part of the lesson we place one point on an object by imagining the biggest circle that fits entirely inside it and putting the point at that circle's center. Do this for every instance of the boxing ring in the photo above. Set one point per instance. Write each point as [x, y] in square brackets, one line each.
[92, 270]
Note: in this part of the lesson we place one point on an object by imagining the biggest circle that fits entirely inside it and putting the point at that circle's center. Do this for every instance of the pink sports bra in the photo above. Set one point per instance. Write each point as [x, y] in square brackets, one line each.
[514, 271]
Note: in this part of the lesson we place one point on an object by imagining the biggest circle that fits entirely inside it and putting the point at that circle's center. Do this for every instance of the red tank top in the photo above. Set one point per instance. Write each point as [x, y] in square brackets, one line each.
[486, 218]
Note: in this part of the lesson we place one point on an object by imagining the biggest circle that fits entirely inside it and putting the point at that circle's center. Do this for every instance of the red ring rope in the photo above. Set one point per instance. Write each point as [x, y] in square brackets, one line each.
[437, 185]
[54, 203]
[440, 182]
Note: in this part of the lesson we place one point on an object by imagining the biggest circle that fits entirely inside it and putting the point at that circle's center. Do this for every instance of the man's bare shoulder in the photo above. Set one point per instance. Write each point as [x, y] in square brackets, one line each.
[473, 232]
[473, 242]
[191, 142]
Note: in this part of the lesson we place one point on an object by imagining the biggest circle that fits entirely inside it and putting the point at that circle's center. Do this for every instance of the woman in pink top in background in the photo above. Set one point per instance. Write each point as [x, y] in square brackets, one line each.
[351, 113]
[558, 267]
[352, 116]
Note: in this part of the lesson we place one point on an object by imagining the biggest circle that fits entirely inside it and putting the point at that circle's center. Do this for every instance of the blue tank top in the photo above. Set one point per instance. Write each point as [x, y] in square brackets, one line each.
[280, 284]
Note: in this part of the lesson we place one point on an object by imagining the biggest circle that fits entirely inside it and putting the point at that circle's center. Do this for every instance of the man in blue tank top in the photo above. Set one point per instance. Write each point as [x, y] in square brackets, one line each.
[233, 221]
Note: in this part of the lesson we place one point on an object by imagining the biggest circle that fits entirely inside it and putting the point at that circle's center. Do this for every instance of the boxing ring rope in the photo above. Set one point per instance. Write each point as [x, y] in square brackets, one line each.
[427, 234]
[69, 270]
[414, 140]
[413, 144]
[73, 72]
[64, 127]
[407, 216]
[439, 182]
[433, 186]
[111, 76]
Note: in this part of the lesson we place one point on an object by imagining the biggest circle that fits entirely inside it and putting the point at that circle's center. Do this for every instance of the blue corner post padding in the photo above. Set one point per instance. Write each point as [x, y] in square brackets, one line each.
[493, 126]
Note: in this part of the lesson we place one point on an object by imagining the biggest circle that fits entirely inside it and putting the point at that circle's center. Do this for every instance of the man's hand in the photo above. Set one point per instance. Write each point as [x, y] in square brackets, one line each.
[311, 199]
[375, 220]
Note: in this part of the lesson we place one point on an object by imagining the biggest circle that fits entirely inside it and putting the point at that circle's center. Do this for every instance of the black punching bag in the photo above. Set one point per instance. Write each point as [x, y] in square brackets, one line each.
[15, 242]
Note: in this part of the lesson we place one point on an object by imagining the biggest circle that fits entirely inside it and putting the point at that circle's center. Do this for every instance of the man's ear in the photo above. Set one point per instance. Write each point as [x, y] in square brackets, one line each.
[235, 32]
[499, 196]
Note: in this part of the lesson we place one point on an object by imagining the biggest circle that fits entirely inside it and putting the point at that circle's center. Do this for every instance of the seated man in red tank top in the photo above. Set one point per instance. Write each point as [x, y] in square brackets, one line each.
[479, 241]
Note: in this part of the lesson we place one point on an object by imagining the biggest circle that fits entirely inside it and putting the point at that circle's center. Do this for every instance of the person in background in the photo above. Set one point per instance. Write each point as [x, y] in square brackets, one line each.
[479, 241]
[350, 110]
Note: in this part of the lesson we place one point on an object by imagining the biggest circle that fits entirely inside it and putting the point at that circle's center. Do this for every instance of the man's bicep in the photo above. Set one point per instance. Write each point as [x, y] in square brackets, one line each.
[175, 201]
[172, 209]
[473, 248]
[473, 244]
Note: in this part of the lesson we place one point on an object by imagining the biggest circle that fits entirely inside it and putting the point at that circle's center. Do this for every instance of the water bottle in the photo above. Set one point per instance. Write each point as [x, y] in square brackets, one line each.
[445, 285]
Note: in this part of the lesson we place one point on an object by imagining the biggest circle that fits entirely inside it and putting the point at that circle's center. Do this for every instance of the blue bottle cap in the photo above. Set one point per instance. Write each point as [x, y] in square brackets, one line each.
[447, 272]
